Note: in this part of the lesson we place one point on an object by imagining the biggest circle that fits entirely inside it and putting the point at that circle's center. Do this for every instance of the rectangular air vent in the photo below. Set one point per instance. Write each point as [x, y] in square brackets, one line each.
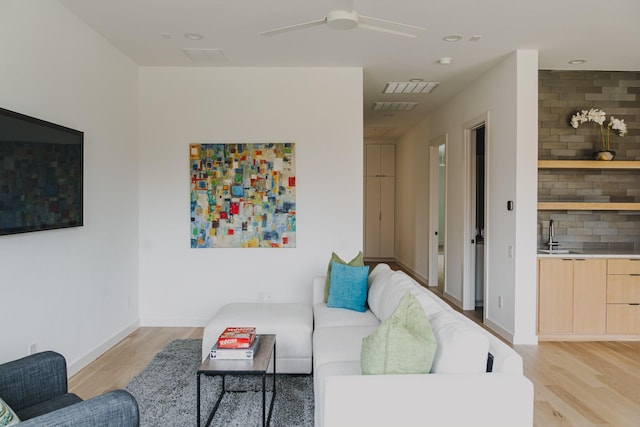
[410, 87]
[205, 55]
[394, 106]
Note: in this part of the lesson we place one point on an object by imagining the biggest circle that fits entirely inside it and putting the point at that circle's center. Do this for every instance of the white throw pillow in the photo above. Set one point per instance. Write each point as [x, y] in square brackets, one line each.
[378, 281]
[398, 284]
[462, 348]
[7, 416]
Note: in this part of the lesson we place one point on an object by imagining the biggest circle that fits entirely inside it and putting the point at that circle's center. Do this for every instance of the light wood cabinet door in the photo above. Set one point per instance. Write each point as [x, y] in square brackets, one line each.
[555, 296]
[624, 266]
[623, 289]
[623, 319]
[589, 296]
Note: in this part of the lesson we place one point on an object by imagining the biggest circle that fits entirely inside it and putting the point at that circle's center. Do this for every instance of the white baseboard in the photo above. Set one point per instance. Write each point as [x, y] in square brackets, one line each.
[419, 277]
[160, 322]
[77, 365]
[507, 335]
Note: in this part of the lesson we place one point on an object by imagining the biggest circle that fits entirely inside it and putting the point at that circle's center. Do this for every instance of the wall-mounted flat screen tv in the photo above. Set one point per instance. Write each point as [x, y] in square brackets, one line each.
[40, 174]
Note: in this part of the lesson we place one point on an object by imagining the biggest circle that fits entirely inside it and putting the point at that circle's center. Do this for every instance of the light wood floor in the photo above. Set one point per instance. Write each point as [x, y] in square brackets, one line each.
[115, 368]
[576, 383]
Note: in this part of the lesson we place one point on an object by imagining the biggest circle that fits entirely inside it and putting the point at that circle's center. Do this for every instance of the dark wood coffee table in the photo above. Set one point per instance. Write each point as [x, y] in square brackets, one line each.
[256, 366]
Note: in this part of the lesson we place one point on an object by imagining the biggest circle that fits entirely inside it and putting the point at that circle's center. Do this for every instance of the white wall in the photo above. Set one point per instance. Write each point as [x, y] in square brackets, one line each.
[320, 109]
[507, 95]
[73, 290]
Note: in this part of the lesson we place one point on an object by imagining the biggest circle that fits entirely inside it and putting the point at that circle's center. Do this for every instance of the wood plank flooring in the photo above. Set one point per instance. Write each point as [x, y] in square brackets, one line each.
[576, 383]
[116, 367]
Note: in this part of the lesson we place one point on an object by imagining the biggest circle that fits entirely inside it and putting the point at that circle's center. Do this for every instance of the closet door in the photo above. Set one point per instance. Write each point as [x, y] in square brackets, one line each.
[387, 217]
[372, 218]
[379, 201]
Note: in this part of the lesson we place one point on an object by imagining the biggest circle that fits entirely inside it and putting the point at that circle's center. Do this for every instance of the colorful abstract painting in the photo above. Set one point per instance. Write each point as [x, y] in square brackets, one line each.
[243, 195]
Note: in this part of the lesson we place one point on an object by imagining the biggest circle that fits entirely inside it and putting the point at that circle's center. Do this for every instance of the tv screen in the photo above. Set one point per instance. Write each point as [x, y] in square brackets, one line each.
[40, 174]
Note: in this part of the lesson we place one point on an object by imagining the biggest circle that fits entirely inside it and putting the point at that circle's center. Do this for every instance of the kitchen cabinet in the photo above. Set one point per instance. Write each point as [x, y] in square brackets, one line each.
[623, 296]
[379, 236]
[572, 295]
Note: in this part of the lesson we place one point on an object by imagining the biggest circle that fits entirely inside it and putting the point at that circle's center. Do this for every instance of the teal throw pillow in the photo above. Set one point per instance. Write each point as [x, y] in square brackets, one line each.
[402, 344]
[358, 261]
[348, 287]
[7, 416]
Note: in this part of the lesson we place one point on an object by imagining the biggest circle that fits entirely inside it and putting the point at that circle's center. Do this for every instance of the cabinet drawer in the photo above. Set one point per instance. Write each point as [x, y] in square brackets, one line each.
[623, 319]
[623, 289]
[623, 266]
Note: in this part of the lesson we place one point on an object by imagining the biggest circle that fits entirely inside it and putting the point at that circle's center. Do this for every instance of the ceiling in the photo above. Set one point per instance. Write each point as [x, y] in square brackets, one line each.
[152, 33]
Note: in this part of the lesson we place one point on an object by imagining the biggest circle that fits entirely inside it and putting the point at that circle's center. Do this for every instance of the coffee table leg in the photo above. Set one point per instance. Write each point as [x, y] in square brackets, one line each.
[273, 394]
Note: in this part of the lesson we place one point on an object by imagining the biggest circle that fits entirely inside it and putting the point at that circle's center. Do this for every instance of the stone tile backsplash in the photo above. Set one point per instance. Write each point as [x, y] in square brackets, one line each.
[561, 94]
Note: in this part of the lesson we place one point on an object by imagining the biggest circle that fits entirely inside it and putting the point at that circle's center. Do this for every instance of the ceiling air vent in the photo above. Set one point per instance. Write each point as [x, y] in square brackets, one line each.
[205, 55]
[394, 106]
[410, 87]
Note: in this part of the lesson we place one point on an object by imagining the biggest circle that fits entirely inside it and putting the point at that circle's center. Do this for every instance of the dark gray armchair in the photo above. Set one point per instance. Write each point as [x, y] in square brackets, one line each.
[35, 387]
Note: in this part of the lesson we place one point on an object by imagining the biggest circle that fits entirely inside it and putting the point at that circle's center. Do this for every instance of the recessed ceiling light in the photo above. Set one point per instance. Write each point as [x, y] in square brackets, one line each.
[394, 106]
[416, 80]
[452, 38]
[165, 35]
[475, 38]
[445, 60]
[413, 87]
[577, 61]
[193, 36]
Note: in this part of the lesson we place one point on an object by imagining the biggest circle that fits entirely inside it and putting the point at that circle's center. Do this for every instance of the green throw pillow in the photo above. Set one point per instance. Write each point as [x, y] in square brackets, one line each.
[402, 344]
[7, 416]
[358, 261]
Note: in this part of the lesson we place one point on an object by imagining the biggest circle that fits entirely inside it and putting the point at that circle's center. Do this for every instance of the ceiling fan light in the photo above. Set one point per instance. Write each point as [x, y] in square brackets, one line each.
[342, 19]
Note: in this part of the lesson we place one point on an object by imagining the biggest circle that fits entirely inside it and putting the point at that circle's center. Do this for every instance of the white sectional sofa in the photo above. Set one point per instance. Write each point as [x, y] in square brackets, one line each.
[458, 392]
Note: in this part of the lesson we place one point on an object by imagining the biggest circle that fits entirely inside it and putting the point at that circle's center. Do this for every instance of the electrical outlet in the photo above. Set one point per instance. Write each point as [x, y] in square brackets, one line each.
[499, 302]
[33, 348]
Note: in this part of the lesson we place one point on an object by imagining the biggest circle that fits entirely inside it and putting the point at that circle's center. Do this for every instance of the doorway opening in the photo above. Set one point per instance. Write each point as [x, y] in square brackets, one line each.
[476, 253]
[437, 213]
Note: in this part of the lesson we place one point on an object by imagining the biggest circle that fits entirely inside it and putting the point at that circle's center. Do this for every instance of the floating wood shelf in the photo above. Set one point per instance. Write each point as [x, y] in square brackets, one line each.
[587, 206]
[588, 164]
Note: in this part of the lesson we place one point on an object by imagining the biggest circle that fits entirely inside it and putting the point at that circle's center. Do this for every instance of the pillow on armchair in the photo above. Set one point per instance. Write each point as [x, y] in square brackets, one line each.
[7, 416]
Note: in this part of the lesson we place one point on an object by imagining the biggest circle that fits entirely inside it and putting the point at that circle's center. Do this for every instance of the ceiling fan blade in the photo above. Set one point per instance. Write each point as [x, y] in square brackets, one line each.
[385, 30]
[294, 27]
[383, 23]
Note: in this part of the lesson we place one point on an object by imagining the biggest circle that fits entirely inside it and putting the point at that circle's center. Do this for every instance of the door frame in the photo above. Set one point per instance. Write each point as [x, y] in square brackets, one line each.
[469, 257]
[434, 207]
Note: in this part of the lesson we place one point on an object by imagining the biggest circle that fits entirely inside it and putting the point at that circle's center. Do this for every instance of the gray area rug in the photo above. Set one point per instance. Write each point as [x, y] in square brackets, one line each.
[166, 393]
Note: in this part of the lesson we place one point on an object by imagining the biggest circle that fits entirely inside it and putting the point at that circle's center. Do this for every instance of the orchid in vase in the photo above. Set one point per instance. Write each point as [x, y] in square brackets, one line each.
[599, 117]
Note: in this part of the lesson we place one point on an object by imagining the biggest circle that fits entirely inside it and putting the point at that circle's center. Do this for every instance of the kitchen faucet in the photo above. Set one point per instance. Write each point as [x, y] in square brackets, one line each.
[552, 234]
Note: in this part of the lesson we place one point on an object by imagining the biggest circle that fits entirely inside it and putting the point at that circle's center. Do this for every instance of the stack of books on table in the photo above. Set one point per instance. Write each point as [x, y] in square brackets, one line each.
[236, 343]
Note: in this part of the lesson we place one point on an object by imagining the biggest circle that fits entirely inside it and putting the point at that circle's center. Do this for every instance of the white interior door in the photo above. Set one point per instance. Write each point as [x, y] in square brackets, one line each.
[472, 271]
[437, 212]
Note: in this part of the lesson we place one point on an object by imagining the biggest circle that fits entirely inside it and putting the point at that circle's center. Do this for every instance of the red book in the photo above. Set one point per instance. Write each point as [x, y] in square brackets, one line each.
[237, 337]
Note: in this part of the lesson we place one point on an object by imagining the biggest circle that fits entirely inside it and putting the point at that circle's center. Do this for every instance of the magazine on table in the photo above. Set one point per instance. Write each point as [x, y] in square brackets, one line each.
[235, 353]
[235, 337]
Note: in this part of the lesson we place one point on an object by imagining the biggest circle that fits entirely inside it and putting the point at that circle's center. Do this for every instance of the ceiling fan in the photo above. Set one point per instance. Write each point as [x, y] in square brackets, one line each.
[344, 17]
